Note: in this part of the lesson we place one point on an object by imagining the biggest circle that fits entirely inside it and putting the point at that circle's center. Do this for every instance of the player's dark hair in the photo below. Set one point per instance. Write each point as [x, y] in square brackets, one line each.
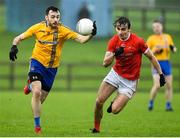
[122, 20]
[158, 21]
[55, 9]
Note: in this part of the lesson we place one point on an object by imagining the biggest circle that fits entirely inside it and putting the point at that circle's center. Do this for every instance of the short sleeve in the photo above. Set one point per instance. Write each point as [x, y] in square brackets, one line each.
[111, 44]
[31, 31]
[143, 46]
[69, 34]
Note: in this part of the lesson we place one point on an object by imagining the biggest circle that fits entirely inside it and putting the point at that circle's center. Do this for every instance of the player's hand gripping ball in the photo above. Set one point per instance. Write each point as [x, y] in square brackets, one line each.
[84, 26]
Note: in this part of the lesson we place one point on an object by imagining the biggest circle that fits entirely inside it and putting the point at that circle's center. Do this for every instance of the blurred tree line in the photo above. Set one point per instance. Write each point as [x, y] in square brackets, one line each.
[1, 2]
[175, 3]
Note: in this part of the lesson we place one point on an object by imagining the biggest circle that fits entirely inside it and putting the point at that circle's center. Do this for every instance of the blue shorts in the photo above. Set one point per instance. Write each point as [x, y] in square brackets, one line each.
[165, 66]
[46, 75]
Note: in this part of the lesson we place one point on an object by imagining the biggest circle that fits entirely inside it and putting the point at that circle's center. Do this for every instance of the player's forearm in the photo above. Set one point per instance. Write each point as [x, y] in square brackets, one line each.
[153, 60]
[156, 64]
[106, 64]
[109, 57]
[17, 39]
[83, 39]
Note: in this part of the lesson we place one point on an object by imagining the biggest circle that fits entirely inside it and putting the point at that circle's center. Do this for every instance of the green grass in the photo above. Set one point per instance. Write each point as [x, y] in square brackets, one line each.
[71, 114]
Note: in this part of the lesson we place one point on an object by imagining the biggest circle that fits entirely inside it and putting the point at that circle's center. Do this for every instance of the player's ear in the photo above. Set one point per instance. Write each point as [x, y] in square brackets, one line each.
[59, 15]
[46, 17]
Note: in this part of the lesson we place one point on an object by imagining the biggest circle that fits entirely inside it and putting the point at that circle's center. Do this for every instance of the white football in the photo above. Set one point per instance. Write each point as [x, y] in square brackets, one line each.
[84, 26]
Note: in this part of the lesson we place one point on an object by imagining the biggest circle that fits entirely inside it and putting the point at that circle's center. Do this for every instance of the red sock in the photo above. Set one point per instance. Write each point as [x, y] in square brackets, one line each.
[97, 125]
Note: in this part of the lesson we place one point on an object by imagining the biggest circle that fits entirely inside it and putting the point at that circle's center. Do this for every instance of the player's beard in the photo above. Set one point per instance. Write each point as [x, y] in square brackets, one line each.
[124, 36]
[158, 32]
[53, 25]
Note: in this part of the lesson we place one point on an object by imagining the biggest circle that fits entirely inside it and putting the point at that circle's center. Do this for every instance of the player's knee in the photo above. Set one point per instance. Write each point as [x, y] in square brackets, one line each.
[36, 92]
[157, 86]
[168, 85]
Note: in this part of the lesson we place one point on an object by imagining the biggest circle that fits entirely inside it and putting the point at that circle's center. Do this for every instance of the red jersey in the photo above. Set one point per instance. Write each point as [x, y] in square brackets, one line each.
[128, 64]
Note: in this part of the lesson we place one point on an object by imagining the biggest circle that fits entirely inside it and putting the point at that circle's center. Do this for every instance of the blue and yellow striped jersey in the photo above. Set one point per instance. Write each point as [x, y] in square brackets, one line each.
[49, 42]
[163, 42]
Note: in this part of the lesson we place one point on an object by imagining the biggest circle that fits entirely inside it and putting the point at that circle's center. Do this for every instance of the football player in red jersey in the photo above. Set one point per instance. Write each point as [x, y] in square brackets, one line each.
[127, 49]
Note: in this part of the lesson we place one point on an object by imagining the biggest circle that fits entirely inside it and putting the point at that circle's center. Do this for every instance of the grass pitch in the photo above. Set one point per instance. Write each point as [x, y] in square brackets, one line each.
[71, 114]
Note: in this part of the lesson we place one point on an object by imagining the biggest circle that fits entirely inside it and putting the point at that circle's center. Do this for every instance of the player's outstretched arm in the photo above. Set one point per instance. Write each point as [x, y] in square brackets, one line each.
[153, 60]
[17, 39]
[83, 39]
[108, 59]
[14, 50]
[156, 65]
